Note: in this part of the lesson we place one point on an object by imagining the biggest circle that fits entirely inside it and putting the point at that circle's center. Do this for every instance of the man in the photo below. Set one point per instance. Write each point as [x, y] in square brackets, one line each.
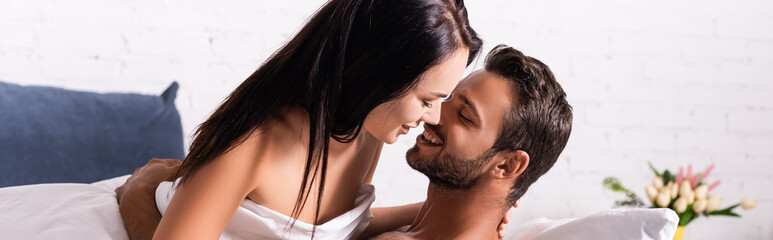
[504, 128]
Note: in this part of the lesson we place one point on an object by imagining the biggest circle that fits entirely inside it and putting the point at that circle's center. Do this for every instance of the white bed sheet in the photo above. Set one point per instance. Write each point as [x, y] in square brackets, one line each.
[618, 224]
[62, 211]
[90, 211]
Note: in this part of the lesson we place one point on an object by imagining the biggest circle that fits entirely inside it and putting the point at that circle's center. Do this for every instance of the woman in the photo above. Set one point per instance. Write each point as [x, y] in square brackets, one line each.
[303, 133]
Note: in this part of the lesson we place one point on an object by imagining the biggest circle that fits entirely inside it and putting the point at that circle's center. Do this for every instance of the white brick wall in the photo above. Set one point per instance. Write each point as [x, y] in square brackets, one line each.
[671, 82]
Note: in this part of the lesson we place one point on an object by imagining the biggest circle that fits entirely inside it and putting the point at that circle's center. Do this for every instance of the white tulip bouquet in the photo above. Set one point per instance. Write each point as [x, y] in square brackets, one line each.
[686, 193]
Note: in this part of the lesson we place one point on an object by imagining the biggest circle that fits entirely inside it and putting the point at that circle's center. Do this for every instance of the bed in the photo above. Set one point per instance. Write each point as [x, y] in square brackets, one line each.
[64, 152]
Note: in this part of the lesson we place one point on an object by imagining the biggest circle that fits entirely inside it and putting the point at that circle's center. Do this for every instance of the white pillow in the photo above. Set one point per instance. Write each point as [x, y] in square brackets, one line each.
[617, 224]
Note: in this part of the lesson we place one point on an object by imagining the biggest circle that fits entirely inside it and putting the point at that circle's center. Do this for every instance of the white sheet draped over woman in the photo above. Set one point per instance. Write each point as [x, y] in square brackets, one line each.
[253, 221]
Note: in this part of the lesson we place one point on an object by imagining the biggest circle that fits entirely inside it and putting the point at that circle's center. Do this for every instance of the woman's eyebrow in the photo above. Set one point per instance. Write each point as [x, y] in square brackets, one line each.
[440, 95]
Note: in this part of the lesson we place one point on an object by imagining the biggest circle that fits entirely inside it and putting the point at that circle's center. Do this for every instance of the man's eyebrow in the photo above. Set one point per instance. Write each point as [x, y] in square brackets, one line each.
[470, 105]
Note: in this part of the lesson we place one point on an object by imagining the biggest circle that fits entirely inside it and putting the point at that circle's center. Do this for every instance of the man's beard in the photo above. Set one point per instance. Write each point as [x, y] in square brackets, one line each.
[450, 171]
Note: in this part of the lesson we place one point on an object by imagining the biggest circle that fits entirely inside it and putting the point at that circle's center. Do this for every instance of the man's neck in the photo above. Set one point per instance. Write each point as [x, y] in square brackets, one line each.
[455, 214]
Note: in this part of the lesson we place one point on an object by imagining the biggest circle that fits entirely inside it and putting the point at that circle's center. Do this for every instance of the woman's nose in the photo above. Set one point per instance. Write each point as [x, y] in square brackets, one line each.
[432, 116]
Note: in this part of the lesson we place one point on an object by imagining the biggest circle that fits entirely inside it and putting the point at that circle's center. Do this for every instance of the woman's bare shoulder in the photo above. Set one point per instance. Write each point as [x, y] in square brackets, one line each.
[279, 138]
[290, 123]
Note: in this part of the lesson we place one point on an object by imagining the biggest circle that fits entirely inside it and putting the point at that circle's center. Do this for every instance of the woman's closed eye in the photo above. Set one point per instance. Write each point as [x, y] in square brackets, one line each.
[426, 103]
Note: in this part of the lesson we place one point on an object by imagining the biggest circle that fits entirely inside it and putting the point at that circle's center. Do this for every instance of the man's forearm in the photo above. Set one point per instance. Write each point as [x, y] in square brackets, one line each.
[139, 213]
[390, 218]
[137, 197]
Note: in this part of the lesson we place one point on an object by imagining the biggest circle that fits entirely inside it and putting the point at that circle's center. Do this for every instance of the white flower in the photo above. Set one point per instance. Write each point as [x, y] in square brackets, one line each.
[674, 189]
[714, 202]
[748, 203]
[702, 191]
[690, 197]
[657, 182]
[699, 205]
[652, 192]
[680, 205]
[668, 193]
[663, 199]
[684, 188]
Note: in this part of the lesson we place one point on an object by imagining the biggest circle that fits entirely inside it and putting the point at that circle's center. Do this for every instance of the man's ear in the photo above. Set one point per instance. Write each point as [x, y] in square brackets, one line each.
[510, 164]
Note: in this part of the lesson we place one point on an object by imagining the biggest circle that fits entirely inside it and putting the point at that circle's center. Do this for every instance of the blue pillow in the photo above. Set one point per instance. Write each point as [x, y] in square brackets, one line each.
[52, 135]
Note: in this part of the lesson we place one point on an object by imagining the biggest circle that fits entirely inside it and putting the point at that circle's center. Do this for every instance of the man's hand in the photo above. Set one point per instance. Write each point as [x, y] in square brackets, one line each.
[136, 197]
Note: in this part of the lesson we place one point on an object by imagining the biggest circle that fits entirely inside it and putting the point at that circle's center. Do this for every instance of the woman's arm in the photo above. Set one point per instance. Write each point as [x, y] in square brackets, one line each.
[390, 218]
[387, 218]
[203, 205]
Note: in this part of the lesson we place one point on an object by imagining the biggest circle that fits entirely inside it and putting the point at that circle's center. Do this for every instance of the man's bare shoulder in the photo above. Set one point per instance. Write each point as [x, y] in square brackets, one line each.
[391, 236]
[398, 234]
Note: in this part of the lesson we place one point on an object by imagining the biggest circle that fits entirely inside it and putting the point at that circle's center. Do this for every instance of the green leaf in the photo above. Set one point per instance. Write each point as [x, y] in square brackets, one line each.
[686, 216]
[632, 200]
[614, 184]
[731, 214]
[730, 208]
[724, 212]
[655, 170]
[668, 177]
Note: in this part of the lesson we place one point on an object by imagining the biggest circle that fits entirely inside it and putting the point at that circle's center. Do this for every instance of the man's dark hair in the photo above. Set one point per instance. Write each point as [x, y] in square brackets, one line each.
[540, 119]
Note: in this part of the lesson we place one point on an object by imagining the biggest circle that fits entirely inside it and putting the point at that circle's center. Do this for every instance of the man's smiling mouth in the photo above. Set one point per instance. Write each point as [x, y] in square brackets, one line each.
[430, 137]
